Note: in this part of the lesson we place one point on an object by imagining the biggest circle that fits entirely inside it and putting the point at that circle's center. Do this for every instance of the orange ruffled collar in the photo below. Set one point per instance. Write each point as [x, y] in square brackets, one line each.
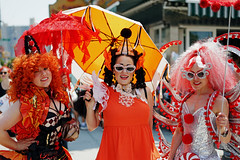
[34, 109]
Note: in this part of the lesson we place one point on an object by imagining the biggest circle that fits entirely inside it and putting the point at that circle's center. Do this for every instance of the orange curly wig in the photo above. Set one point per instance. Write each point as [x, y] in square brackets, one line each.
[23, 73]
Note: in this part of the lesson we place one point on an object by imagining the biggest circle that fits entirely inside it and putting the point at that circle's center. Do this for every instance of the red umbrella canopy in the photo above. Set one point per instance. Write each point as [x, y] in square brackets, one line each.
[64, 33]
[216, 4]
[63, 30]
[60, 30]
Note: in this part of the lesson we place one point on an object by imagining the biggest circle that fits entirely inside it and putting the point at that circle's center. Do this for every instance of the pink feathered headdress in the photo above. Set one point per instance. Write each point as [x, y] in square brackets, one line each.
[210, 52]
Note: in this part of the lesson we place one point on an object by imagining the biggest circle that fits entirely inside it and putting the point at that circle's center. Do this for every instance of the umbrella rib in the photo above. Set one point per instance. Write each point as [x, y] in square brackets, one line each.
[138, 37]
[98, 40]
[107, 23]
[147, 73]
[95, 59]
[129, 27]
[90, 19]
[107, 36]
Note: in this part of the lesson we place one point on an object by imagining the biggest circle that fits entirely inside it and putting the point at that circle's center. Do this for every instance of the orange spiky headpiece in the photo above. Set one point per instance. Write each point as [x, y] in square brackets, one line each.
[124, 49]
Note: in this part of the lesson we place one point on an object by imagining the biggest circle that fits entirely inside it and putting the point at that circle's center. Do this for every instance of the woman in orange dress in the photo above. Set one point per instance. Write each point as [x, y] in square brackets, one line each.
[126, 107]
[40, 113]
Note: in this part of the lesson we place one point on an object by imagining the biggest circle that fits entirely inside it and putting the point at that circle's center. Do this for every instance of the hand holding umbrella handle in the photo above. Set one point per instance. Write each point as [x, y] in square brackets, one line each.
[65, 72]
[223, 127]
[91, 92]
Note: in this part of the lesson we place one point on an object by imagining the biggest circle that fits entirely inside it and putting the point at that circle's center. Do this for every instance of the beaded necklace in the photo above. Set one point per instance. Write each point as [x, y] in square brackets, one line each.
[126, 98]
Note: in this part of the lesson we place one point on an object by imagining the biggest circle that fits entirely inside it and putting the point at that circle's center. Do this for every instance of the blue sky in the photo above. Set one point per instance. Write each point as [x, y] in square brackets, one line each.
[19, 12]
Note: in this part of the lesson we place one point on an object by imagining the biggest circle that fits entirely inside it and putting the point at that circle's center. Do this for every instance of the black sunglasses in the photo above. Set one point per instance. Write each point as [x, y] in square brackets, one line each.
[3, 72]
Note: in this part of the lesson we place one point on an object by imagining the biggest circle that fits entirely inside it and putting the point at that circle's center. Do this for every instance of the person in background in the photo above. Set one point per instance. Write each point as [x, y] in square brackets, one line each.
[4, 86]
[80, 107]
[72, 99]
[5, 80]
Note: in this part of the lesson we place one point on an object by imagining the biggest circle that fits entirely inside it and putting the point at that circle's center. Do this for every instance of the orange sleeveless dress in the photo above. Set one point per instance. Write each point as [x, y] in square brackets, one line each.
[127, 134]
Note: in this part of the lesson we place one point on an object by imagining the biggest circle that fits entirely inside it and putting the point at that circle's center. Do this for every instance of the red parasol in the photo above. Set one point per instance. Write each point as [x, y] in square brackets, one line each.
[64, 33]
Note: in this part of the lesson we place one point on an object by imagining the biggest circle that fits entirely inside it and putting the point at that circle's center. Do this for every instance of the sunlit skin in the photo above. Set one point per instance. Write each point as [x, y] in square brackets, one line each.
[200, 85]
[42, 77]
[124, 78]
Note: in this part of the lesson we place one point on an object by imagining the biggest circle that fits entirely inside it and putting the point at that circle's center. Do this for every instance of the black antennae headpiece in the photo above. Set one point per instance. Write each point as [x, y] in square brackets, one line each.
[31, 46]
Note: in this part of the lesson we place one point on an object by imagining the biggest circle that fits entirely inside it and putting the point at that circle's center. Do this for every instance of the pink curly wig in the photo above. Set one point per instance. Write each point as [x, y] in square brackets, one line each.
[210, 52]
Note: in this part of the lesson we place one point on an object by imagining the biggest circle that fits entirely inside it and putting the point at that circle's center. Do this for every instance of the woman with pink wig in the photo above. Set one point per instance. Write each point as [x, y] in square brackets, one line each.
[198, 75]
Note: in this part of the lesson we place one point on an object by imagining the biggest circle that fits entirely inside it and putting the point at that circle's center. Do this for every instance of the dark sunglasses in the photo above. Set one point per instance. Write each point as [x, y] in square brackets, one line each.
[120, 68]
[3, 72]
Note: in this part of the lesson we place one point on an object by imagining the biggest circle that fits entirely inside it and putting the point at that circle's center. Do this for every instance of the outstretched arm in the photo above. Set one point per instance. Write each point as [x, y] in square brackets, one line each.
[92, 115]
[176, 141]
[221, 109]
[150, 103]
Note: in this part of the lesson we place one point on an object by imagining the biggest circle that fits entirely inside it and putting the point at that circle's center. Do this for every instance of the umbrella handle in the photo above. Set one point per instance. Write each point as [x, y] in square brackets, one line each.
[65, 71]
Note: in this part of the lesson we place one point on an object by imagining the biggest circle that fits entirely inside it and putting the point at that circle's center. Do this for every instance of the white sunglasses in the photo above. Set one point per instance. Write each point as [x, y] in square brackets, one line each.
[189, 75]
[128, 68]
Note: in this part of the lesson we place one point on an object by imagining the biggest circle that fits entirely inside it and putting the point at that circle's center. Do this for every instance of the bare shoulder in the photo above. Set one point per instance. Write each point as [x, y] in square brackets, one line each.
[11, 116]
[14, 108]
[16, 104]
[219, 103]
[220, 99]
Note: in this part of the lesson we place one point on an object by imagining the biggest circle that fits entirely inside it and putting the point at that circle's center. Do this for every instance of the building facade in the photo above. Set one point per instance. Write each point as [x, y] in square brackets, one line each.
[10, 36]
[168, 20]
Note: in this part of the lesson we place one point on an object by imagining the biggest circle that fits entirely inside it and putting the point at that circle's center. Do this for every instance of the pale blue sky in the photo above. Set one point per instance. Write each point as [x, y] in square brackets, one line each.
[19, 12]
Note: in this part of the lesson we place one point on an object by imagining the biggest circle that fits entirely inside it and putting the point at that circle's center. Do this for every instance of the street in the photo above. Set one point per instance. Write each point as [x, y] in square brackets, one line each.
[87, 144]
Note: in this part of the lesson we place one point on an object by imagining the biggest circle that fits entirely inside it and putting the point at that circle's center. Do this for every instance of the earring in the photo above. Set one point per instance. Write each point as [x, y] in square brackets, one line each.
[114, 78]
[133, 77]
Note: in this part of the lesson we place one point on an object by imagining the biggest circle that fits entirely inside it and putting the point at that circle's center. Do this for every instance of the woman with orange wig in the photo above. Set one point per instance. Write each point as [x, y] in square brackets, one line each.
[40, 114]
